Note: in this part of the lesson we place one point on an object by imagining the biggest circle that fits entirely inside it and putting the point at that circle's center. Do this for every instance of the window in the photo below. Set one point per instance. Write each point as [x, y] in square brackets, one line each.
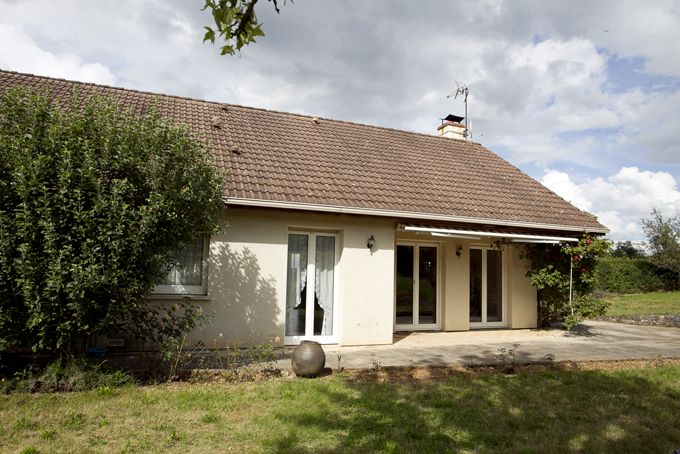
[190, 277]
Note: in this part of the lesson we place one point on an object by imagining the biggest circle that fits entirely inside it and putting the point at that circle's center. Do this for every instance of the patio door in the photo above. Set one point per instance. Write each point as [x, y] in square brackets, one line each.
[311, 302]
[417, 293]
[487, 284]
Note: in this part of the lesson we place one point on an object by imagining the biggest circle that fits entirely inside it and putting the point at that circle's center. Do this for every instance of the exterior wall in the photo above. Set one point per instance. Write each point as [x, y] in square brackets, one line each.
[522, 303]
[248, 269]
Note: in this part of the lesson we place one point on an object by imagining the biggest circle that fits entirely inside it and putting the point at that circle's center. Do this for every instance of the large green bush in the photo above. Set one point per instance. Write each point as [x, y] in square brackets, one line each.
[623, 275]
[95, 202]
[549, 270]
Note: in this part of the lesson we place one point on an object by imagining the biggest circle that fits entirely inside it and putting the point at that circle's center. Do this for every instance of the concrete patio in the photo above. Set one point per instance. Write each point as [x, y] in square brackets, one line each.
[592, 340]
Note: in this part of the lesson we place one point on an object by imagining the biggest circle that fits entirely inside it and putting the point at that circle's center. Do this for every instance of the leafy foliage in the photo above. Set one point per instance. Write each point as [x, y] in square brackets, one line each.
[95, 204]
[626, 249]
[634, 275]
[663, 237]
[549, 271]
[235, 23]
[68, 374]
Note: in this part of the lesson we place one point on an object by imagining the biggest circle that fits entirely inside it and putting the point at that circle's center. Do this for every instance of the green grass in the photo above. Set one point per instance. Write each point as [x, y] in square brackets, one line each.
[625, 410]
[657, 303]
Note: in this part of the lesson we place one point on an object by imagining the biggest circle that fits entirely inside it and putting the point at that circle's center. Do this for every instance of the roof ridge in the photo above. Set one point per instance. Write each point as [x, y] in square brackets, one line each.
[262, 109]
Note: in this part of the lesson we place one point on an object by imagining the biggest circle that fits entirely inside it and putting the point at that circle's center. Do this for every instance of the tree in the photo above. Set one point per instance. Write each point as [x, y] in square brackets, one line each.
[95, 204]
[663, 237]
[626, 249]
[235, 23]
[550, 266]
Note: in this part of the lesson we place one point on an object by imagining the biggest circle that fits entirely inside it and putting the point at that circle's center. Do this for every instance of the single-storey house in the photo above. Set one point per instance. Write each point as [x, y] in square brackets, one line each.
[347, 233]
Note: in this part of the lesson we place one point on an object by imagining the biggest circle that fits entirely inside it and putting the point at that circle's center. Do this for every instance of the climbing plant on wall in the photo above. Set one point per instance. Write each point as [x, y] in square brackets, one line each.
[550, 267]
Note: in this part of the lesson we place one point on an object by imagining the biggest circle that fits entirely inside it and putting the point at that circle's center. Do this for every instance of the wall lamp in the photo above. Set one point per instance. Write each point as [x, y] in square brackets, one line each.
[459, 251]
[370, 244]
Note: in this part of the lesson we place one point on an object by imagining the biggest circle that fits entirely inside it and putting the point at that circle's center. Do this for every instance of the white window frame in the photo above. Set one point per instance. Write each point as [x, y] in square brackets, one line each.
[416, 326]
[311, 271]
[202, 290]
[504, 271]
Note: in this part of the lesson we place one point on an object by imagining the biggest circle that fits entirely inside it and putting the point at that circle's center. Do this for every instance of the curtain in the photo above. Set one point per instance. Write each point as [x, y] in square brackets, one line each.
[325, 264]
[189, 270]
[296, 285]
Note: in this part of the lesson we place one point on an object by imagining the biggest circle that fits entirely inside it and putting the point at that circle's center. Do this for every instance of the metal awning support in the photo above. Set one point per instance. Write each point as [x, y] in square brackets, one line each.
[478, 234]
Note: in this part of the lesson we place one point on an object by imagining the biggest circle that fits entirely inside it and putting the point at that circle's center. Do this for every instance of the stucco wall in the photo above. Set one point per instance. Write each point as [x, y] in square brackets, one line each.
[248, 267]
[522, 309]
[247, 276]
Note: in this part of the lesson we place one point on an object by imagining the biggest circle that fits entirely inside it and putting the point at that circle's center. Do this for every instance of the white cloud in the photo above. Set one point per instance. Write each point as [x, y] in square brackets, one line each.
[621, 200]
[24, 55]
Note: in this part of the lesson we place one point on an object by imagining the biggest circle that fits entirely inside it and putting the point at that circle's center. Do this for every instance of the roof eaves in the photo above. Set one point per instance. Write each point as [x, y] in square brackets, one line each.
[406, 215]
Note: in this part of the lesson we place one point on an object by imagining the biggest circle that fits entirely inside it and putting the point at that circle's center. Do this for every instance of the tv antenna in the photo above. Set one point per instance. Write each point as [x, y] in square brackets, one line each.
[464, 91]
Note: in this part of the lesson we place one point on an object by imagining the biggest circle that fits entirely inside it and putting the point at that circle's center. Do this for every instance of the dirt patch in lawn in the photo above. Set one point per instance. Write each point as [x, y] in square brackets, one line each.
[417, 374]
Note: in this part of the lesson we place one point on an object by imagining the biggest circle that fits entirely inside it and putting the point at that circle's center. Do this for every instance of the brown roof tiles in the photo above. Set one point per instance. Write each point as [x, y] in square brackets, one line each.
[282, 157]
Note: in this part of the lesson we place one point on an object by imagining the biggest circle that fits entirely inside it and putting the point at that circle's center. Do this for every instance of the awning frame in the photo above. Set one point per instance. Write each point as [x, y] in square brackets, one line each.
[478, 234]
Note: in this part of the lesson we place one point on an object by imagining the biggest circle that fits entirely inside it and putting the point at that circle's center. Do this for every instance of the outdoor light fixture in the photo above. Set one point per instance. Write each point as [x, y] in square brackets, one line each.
[370, 244]
[459, 251]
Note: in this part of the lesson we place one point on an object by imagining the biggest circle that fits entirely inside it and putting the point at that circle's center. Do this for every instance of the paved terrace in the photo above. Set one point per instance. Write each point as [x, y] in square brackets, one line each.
[592, 340]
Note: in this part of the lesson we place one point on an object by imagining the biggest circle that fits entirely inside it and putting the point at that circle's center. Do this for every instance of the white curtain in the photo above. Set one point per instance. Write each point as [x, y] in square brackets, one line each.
[325, 264]
[296, 281]
[190, 266]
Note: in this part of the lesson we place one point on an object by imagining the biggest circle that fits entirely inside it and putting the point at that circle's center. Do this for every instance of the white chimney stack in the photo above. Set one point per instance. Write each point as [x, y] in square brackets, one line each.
[452, 128]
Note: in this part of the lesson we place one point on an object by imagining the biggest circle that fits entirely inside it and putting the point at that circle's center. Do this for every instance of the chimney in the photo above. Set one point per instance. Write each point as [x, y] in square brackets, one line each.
[452, 128]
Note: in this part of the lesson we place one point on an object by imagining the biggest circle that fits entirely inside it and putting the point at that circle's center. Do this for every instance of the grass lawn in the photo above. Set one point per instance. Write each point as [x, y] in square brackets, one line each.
[617, 410]
[656, 303]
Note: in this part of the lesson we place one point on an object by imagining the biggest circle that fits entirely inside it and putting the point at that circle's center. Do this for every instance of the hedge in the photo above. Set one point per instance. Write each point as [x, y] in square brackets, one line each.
[624, 275]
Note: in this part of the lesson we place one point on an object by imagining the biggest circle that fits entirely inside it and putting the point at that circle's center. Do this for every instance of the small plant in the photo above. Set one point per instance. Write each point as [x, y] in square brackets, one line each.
[375, 364]
[507, 358]
[68, 374]
[210, 418]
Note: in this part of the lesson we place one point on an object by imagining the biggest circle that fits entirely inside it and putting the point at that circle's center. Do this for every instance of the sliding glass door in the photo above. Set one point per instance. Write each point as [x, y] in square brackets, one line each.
[486, 288]
[417, 292]
[310, 288]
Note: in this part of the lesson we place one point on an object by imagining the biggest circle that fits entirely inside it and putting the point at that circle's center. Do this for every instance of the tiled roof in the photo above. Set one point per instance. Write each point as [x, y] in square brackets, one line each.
[287, 159]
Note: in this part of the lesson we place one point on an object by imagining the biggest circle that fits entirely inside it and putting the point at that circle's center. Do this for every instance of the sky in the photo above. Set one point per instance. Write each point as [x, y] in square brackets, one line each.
[584, 96]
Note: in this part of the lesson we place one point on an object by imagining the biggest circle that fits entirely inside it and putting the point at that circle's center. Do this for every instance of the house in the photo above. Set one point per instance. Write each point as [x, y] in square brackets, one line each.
[346, 233]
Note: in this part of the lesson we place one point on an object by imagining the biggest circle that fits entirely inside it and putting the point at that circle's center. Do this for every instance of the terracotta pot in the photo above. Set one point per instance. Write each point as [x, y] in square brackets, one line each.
[308, 359]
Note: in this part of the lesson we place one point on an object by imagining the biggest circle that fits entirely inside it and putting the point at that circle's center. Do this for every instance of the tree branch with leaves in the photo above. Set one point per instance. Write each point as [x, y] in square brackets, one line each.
[235, 23]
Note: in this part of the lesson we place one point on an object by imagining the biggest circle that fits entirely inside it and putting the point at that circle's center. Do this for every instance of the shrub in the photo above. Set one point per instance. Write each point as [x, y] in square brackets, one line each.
[549, 271]
[623, 275]
[68, 374]
[95, 204]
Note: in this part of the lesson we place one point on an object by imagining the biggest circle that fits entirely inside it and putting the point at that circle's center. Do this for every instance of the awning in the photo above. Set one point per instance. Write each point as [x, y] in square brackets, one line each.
[479, 234]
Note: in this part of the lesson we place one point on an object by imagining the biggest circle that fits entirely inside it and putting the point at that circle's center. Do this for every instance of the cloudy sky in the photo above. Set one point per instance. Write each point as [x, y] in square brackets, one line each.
[582, 95]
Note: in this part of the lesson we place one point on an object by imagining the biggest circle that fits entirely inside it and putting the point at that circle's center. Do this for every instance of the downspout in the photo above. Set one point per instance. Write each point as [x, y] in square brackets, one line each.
[571, 280]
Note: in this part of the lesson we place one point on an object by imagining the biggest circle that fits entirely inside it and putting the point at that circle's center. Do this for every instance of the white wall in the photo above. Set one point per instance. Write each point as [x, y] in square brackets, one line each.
[248, 267]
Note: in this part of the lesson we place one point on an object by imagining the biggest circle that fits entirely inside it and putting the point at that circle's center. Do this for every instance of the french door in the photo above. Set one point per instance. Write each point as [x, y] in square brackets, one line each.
[311, 288]
[417, 293]
[487, 298]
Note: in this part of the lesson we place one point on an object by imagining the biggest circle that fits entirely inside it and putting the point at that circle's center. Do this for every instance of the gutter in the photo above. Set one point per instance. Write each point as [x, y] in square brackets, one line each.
[403, 214]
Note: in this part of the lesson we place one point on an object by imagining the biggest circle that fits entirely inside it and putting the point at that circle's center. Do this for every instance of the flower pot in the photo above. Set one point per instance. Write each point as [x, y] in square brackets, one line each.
[308, 359]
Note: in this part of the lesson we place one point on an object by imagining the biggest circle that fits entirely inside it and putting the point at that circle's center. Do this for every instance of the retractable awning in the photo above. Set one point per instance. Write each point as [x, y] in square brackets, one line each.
[479, 234]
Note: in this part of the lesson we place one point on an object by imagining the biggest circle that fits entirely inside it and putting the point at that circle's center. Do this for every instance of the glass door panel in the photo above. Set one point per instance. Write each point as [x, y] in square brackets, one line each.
[323, 285]
[486, 286]
[494, 286]
[296, 285]
[427, 285]
[405, 281]
[417, 297]
[475, 285]
[310, 287]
